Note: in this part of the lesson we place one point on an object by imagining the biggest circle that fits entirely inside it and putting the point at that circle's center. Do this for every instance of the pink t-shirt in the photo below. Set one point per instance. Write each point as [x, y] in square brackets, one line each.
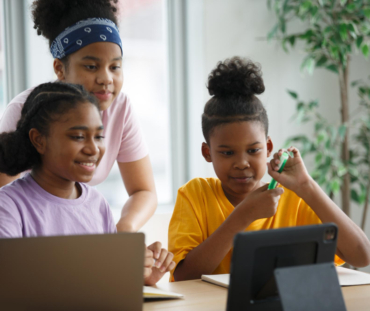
[123, 138]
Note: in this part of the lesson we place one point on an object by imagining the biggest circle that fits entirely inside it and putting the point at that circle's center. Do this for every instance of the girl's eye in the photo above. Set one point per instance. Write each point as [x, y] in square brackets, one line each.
[90, 67]
[227, 153]
[99, 137]
[253, 150]
[115, 67]
[77, 137]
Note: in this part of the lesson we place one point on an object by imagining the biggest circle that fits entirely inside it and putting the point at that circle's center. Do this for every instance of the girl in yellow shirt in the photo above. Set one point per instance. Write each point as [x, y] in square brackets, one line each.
[209, 212]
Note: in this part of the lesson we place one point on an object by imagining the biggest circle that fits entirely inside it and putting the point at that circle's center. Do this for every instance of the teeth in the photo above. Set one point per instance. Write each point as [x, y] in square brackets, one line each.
[87, 164]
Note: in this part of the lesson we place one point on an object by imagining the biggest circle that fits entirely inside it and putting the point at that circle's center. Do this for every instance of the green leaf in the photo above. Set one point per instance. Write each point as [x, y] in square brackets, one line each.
[341, 171]
[335, 186]
[273, 32]
[343, 2]
[365, 50]
[342, 131]
[359, 41]
[308, 65]
[367, 12]
[318, 158]
[332, 68]
[322, 60]
[293, 94]
[343, 31]
[354, 196]
[291, 40]
[351, 7]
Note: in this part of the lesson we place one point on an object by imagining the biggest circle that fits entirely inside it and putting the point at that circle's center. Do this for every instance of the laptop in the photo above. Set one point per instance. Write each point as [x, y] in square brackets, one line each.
[85, 272]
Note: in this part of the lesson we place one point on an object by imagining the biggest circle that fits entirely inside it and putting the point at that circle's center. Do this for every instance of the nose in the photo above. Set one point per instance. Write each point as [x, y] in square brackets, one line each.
[242, 162]
[104, 77]
[91, 147]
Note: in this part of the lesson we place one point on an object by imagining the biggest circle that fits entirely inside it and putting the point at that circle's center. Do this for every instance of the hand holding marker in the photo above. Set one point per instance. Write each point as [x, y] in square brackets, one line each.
[283, 159]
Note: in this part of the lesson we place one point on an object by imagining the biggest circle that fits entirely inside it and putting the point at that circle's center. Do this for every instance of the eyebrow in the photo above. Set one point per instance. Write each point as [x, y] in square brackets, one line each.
[98, 59]
[226, 146]
[84, 128]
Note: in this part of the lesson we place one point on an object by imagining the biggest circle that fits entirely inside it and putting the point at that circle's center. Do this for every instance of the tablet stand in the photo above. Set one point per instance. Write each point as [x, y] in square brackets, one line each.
[309, 288]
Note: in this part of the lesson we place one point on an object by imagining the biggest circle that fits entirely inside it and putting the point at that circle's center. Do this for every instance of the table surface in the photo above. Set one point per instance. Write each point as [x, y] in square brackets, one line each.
[200, 295]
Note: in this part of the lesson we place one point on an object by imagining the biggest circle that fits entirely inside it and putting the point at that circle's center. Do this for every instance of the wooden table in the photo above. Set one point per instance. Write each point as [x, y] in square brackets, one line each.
[200, 295]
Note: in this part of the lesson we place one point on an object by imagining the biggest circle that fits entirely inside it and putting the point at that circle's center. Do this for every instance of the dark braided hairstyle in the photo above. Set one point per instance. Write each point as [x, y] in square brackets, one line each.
[45, 105]
[233, 84]
[51, 17]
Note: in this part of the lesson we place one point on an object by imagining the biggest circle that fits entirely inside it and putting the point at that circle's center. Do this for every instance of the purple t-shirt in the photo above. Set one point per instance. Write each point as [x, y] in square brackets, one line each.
[27, 210]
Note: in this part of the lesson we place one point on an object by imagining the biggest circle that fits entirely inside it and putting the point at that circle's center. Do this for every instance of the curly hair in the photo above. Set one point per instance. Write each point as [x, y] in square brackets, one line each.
[234, 84]
[45, 105]
[51, 17]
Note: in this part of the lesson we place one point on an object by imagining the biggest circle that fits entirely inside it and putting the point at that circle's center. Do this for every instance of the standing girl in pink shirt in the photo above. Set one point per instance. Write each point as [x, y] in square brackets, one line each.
[87, 50]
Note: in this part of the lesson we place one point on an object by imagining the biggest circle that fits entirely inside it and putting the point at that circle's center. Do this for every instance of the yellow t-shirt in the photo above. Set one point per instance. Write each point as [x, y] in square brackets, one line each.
[201, 207]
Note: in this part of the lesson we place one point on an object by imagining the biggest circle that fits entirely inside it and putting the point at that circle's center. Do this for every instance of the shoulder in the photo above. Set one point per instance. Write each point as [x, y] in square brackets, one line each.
[121, 103]
[290, 199]
[12, 193]
[198, 186]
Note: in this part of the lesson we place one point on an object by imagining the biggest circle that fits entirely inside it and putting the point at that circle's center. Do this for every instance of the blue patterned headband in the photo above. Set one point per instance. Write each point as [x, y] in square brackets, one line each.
[83, 33]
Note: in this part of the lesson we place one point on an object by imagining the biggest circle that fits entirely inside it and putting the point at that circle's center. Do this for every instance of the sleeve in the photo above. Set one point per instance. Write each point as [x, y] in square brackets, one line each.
[9, 119]
[12, 113]
[10, 219]
[306, 216]
[184, 233]
[133, 146]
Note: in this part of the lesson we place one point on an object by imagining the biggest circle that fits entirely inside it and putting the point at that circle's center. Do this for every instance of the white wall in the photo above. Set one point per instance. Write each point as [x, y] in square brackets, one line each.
[238, 27]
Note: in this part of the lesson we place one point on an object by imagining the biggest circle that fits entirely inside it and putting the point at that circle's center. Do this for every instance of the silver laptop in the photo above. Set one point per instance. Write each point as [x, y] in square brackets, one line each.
[86, 272]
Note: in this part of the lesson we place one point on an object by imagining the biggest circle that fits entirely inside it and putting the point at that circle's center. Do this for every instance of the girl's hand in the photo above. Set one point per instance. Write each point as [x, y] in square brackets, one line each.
[148, 263]
[295, 175]
[260, 203]
[163, 263]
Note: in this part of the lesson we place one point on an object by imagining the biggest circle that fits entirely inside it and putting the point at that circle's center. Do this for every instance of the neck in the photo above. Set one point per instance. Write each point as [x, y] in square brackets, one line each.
[55, 185]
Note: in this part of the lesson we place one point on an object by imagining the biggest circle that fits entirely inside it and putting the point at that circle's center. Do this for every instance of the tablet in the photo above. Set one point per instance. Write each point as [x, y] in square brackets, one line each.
[257, 254]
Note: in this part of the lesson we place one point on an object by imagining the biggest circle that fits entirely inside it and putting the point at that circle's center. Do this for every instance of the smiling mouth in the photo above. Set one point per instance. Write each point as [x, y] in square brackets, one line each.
[89, 166]
[242, 179]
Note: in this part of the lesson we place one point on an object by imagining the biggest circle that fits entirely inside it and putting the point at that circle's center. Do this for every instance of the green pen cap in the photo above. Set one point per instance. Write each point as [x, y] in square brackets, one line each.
[283, 159]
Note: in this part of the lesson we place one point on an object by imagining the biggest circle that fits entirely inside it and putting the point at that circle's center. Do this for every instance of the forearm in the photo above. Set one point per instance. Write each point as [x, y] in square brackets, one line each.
[205, 258]
[353, 246]
[136, 212]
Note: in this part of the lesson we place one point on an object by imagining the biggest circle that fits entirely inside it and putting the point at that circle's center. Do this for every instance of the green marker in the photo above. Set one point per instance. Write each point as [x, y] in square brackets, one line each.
[284, 157]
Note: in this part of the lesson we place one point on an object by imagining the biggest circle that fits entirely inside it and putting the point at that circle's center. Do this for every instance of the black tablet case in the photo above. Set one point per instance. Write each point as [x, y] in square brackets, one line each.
[257, 254]
[310, 288]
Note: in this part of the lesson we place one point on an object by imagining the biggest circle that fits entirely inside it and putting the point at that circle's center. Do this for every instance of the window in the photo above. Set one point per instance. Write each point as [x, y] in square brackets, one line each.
[2, 86]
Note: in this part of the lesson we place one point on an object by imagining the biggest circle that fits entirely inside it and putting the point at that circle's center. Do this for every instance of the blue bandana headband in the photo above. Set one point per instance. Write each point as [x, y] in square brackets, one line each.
[83, 33]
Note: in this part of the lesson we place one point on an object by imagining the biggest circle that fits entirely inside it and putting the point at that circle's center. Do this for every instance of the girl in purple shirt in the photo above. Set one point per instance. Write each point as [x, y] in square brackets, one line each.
[59, 137]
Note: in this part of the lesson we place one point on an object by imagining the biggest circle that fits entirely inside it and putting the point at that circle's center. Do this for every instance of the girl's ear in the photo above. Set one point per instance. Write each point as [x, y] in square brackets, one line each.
[206, 152]
[270, 146]
[59, 69]
[38, 140]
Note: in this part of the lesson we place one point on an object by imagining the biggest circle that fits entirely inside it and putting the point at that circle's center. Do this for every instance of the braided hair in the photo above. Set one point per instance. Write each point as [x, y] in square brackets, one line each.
[234, 84]
[45, 104]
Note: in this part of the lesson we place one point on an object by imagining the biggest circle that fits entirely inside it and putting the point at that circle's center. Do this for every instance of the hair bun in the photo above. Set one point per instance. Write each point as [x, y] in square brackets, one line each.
[236, 77]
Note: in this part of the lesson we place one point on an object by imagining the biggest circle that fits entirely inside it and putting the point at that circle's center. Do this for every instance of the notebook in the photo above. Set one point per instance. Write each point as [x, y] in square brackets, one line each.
[347, 277]
[156, 293]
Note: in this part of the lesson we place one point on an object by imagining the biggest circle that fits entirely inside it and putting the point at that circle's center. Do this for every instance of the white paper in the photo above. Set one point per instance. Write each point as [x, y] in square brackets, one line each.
[347, 277]
[155, 293]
